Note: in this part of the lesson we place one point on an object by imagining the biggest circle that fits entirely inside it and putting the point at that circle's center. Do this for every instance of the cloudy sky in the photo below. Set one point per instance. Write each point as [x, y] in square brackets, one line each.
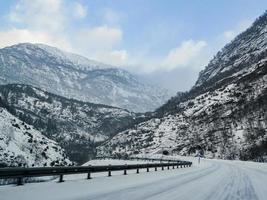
[164, 42]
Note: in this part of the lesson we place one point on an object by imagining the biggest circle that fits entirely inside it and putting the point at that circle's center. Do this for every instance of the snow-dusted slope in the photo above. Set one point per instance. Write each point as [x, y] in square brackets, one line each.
[226, 118]
[74, 76]
[22, 145]
[77, 126]
[238, 56]
[66, 58]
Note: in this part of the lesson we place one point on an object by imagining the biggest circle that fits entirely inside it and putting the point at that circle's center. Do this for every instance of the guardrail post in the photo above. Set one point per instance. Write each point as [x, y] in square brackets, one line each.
[125, 171]
[173, 166]
[156, 169]
[20, 181]
[162, 168]
[109, 171]
[137, 170]
[147, 169]
[89, 175]
[61, 178]
[168, 167]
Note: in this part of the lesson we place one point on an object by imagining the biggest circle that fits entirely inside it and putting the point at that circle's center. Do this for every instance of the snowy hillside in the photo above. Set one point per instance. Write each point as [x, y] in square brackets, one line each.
[225, 117]
[22, 145]
[74, 76]
[77, 126]
[239, 56]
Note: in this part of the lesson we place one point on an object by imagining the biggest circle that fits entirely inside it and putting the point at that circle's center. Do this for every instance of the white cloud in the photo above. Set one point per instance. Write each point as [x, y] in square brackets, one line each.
[39, 21]
[79, 11]
[39, 14]
[99, 38]
[101, 43]
[188, 54]
[14, 36]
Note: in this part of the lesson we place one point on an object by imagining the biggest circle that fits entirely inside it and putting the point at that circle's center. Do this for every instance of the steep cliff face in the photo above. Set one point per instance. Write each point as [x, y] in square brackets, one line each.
[74, 76]
[223, 116]
[22, 145]
[77, 126]
[237, 57]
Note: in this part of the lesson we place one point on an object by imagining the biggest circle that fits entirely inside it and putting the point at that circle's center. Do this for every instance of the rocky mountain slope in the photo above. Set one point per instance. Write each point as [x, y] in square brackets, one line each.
[74, 76]
[22, 145]
[223, 115]
[237, 57]
[77, 126]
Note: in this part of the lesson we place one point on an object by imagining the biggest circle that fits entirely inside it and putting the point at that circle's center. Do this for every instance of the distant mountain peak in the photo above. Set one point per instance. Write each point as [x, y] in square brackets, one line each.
[76, 60]
[74, 76]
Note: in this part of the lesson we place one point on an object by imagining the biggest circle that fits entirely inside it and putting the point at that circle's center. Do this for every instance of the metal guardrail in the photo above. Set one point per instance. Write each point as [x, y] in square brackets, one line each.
[20, 173]
[139, 158]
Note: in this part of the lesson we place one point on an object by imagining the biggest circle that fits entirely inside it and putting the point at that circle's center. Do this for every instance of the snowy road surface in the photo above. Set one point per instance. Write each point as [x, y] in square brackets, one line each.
[209, 180]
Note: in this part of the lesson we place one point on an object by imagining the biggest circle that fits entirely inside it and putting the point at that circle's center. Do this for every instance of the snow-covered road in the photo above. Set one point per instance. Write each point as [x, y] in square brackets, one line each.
[212, 179]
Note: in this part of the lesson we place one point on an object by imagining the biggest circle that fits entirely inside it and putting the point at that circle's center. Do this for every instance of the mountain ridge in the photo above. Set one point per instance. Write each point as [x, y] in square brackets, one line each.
[77, 77]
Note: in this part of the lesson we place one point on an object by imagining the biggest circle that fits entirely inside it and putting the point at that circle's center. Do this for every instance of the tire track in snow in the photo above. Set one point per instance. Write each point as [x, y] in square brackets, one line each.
[195, 189]
[258, 178]
[221, 181]
[235, 185]
[151, 190]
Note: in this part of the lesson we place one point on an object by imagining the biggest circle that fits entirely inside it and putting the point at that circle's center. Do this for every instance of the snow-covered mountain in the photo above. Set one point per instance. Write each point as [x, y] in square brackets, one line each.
[77, 126]
[74, 76]
[224, 115]
[22, 145]
[237, 57]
